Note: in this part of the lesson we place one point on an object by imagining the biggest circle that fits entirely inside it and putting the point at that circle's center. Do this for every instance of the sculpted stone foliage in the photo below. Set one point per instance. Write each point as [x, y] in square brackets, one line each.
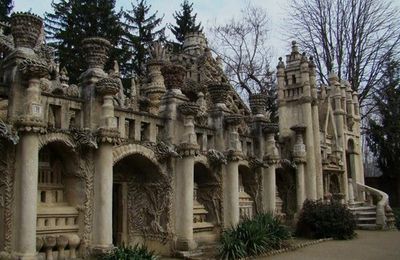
[85, 172]
[148, 208]
[8, 133]
[7, 168]
[84, 138]
[173, 76]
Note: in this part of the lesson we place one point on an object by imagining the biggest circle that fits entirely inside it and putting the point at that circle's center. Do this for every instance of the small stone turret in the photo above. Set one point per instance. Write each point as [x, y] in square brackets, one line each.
[194, 43]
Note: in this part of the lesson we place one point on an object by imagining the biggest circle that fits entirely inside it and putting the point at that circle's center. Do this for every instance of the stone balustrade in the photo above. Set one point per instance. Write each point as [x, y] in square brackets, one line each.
[60, 247]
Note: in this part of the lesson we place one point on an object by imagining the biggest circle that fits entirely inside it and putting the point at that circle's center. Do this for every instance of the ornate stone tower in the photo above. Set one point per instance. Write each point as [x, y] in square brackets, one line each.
[297, 107]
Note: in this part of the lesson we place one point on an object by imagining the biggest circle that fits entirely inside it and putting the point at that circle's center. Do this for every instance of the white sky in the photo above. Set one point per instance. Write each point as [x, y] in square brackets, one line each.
[208, 12]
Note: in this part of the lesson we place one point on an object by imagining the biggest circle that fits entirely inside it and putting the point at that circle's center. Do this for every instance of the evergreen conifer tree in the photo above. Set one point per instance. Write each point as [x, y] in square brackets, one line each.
[384, 129]
[142, 28]
[5, 9]
[74, 20]
[186, 22]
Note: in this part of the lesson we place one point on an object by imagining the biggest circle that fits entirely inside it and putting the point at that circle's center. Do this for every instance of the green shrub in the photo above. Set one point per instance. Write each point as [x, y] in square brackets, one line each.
[253, 237]
[322, 220]
[136, 252]
[396, 212]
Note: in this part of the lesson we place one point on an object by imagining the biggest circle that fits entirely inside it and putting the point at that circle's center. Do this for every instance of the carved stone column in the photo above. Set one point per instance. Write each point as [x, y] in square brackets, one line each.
[231, 180]
[30, 125]
[103, 179]
[299, 157]
[271, 157]
[185, 179]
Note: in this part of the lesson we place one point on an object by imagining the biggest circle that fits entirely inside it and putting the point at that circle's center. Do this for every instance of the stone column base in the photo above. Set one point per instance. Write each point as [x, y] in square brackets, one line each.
[185, 245]
[100, 250]
[19, 256]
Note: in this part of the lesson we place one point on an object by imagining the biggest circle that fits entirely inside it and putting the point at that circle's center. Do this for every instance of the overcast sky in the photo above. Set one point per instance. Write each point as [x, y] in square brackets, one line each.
[209, 12]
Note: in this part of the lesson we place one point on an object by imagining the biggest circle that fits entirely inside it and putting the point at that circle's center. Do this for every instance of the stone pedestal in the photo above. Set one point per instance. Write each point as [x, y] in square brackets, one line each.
[300, 193]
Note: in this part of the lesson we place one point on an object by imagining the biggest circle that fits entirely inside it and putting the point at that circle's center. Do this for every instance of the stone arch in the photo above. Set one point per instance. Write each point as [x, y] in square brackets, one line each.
[351, 145]
[203, 160]
[123, 151]
[56, 137]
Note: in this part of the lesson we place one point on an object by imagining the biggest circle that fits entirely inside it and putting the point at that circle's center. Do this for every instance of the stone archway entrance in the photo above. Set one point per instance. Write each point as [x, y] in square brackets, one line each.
[141, 195]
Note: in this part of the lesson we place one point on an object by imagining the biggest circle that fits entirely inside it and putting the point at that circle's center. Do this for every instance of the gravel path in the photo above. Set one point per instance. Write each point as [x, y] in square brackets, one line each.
[369, 245]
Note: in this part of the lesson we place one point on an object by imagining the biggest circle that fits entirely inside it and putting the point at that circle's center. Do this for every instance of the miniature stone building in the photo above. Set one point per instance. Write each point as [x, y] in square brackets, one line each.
[85, 167]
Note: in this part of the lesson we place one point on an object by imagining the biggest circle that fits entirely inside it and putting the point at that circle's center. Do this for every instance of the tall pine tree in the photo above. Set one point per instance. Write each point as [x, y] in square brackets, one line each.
[142, 28]
[384, 131]
[74, 20]
[186, 22]
[5, 9]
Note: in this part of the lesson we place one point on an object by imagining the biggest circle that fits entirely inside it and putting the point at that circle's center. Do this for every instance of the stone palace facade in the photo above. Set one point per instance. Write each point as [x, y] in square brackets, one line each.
[84, 166]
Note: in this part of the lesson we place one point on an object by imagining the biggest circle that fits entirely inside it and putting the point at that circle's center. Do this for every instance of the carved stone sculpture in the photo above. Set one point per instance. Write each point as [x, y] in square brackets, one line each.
[26, 29]
[96, 50]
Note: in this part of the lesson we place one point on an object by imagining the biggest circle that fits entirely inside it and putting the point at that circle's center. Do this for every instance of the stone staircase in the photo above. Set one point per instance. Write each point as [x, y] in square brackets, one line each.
[366, 216]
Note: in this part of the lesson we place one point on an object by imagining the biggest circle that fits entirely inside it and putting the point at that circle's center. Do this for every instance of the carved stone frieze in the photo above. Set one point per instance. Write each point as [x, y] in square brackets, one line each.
[31, 124]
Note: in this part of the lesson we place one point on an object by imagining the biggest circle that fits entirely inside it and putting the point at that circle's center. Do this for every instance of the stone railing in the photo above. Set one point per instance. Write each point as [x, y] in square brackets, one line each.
[380, 197]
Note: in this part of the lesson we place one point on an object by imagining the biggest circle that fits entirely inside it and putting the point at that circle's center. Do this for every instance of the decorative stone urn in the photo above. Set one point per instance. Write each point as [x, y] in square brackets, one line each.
[96, 51]
[25, 29]
[218, 92]
[33, 68]
[107, 86]
[174, 76]
[189, 108]
[258, 103]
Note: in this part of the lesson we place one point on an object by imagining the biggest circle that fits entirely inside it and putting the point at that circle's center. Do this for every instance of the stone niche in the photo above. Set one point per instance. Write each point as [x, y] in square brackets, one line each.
[59, 194]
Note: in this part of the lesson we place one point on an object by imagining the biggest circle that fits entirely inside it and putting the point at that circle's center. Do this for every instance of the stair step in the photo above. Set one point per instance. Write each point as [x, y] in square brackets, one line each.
[367, 226]
[363, 208]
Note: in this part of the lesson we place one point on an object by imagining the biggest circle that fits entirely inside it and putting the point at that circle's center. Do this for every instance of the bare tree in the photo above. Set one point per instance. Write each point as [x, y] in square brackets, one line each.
[350, 37]
[242, 46]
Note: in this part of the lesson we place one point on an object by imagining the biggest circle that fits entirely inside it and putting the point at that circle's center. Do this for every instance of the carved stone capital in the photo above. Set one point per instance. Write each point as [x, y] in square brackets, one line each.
[189, 108]
[299, 129]
[31, 124]
[188, 149]
[174, 76]
[233, 156]
[107, 86]
[25, 29]
[96, 51]
[108, 135]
